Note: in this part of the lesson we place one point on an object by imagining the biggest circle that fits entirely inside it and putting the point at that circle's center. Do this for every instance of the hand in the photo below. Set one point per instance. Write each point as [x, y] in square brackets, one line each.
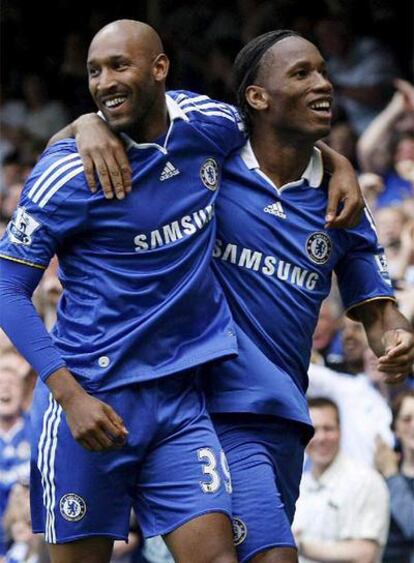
[102, 152]
[385, 459]
[397, 362]
[407, 91]
[344, 189]
[93, 423]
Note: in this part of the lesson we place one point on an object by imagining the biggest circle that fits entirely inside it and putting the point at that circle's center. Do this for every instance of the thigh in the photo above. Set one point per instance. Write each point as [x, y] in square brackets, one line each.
[90, 550]
[75, 493]
[205, 539]
[184, 474]
[265, 458]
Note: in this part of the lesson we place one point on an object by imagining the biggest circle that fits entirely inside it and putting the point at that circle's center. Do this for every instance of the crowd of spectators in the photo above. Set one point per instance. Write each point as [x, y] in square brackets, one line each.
[365, 429]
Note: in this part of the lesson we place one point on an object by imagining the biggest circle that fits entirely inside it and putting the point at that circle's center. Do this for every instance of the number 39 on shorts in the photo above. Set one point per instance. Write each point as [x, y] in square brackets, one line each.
[214, 474]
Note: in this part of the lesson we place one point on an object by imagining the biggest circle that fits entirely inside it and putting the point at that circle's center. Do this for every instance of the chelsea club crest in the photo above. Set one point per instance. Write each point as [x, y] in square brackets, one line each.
[319, 247]
[210, 174]
[72, 507]
[239, 531]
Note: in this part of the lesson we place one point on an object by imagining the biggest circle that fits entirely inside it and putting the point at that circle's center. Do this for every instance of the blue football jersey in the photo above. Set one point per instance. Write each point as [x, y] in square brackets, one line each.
[14, 463]
[140, 300]
[275, 260]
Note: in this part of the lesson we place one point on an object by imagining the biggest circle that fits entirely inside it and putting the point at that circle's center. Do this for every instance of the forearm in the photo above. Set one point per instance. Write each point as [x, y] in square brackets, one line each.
[378, 317]
[345, 551]
[20, 320]
[65, 133]
[372, 146]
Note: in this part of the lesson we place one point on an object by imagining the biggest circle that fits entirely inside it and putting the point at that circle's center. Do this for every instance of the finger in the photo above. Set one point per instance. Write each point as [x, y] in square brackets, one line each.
[332, 208]
[89, 173]
[115, 175]
[395, 379]
[103, 175]
[349, 215]
[114, 425]
[394, 369]
[125, 169]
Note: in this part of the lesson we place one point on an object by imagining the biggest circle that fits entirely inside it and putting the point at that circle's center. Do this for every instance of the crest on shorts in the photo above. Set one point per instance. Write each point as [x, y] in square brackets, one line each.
[239, 531]
[210, 174]
[72, 507]
[319, 247]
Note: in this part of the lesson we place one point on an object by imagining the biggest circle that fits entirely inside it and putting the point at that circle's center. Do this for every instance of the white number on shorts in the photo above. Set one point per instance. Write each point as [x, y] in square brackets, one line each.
[208, 458]
[226, 471]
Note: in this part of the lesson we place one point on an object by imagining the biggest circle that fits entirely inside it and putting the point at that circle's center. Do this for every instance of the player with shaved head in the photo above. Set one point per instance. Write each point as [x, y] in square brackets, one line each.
[118, 420]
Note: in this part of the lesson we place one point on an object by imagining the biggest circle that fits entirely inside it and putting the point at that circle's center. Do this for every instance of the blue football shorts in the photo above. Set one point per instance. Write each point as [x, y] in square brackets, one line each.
[170, 471]
[265, 456]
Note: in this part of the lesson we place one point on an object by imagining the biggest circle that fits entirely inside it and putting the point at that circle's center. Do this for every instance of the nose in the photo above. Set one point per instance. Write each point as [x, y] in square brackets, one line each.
[322, 83]
[106, 80]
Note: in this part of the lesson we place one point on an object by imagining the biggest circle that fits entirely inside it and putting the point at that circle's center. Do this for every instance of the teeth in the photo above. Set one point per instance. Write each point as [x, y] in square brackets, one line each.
[321, 105]
[114, 102]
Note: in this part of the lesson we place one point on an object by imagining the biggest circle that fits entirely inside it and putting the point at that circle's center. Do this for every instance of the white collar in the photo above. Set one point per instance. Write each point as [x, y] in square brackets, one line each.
[174, 113]
[313, 172]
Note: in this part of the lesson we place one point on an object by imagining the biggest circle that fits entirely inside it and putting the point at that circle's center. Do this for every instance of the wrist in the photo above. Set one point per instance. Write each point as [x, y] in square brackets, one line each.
[63, 387]
[80, 123]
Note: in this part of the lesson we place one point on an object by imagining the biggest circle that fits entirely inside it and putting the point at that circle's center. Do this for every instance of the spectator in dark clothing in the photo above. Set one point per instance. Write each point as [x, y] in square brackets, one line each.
[398, 471]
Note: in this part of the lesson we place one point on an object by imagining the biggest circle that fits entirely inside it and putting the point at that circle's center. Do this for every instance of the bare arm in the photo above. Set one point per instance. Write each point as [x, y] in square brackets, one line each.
[345, 551]
[343, 188]
[373, 145]
[390, 336]
[102, 152]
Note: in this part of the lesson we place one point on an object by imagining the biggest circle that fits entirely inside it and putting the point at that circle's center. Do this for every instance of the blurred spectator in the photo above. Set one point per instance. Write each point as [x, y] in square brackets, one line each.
[396, 234]
[44, 116]
[14, 437]
[361, 69]
[155, 551]
[26, 547]
[398, 471]
[387, 146]
[11, 199]
[342, 513]
[363, 411]
[327, 338]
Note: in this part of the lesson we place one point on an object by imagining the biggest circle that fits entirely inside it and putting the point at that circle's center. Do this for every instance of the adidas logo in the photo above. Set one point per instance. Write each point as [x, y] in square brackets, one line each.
[169, 171]
[275, 209]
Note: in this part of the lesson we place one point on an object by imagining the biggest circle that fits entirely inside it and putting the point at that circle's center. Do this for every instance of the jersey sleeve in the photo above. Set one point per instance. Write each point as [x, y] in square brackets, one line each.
[220, 121]
[53, 205]
[362, 272]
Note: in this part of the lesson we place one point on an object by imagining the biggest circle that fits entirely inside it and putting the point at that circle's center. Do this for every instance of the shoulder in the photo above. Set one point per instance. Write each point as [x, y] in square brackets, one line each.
[57, 174]
[203, 109]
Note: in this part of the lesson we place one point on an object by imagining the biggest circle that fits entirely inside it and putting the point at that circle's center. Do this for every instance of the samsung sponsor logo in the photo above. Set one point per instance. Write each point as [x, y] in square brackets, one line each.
[167, 234]
[265, 264]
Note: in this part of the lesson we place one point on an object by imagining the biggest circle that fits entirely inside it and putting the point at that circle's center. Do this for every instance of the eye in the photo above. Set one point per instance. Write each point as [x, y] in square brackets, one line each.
[301, 73]
[93, 72]
[120, 65]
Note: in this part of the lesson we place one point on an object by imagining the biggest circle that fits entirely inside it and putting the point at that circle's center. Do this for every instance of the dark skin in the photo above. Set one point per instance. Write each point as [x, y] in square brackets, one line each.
[127, 75]
[285, 127]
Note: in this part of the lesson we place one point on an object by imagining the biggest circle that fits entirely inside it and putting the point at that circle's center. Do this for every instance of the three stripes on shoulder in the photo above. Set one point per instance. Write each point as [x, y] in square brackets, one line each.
[54, 177]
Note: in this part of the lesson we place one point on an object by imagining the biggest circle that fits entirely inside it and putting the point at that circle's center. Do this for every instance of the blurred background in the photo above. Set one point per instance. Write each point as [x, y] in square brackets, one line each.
[368, 45]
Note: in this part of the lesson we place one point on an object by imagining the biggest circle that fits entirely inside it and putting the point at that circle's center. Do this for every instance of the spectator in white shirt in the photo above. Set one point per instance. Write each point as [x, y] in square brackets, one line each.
[343, 508]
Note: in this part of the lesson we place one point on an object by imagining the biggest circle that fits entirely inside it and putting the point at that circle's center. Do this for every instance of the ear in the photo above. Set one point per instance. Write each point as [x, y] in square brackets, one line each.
[257, 97]
[160, 67]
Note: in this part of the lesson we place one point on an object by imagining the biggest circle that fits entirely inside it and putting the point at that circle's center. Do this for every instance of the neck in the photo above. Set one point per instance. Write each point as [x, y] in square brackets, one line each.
[407, 466]
[7, 422]
[153, 124]
[282, 158]
[319, 469]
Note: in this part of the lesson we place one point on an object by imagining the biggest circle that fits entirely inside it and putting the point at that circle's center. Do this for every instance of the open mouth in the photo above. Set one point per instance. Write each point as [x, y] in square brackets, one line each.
[114, 102]
[323, 107]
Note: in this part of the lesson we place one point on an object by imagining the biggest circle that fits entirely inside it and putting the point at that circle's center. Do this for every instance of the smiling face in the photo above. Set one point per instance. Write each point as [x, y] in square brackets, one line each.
[127, 72]
[324, 446]
[292, 90]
